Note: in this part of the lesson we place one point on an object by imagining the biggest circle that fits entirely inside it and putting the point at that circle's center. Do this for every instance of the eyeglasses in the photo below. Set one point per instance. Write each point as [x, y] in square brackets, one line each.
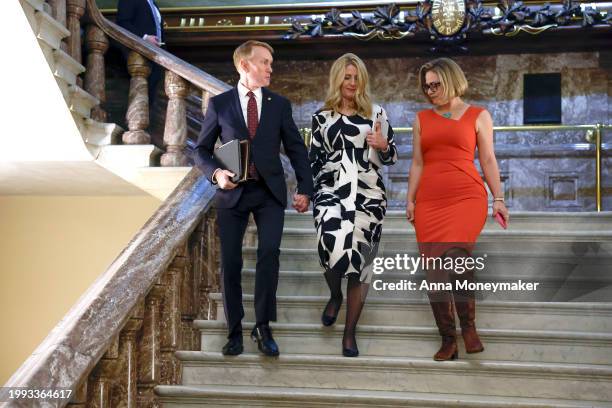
[432, 86]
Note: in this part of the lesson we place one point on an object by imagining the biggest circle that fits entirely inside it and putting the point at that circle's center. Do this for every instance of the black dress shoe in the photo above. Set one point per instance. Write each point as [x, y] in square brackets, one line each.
[262, 334]
[233, 347]
[328, 320]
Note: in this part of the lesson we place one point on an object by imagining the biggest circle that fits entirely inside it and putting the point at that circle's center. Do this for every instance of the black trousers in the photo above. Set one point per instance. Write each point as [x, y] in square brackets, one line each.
[269, 217]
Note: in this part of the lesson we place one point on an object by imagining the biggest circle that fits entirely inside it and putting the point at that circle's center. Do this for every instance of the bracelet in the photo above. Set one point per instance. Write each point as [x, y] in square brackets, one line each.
[498, 199]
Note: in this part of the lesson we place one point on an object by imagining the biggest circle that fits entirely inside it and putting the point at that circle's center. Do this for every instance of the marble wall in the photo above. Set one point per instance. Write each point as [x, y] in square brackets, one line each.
[542, 171]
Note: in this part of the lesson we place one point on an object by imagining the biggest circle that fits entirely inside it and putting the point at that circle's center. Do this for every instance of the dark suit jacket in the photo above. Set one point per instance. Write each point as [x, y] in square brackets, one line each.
[137, 17]
[224, 119]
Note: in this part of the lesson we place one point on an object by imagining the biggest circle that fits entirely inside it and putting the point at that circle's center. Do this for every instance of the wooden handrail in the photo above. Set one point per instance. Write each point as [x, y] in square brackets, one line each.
[160, 56]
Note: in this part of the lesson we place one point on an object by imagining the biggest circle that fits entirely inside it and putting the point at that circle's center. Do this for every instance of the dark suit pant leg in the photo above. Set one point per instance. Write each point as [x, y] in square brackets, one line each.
[269, 218]
[232, 225]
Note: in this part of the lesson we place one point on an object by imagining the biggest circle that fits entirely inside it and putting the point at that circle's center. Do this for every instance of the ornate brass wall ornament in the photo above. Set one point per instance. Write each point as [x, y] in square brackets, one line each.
[448, 16]
[526, 28]
[448, 23]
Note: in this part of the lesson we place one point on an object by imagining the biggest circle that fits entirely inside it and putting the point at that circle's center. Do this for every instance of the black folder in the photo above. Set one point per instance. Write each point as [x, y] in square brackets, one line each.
[234, 156]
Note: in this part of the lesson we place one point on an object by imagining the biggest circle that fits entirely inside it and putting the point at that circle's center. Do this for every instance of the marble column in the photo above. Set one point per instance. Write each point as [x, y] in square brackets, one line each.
[75, 10]
[137, 116]
[97, 44]
[175, 132]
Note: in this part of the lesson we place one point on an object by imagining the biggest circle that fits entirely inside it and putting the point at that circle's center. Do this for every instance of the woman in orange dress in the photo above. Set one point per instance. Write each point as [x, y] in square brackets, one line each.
[447, 201]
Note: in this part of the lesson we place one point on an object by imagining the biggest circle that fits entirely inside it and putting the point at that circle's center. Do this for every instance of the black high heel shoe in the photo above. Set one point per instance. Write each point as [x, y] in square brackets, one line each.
[329, 320]
[350, 351]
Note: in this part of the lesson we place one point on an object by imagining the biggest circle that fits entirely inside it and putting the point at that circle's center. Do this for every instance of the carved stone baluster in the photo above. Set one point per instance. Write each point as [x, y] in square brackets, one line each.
[79, 398]
[175, 132]
[99, 389]
[124, 391]
[149, 356]
[171, 320]
[190, 290]
[137, 116]
[100, 381]
[210, 279]
[97, 44]
[75, 10]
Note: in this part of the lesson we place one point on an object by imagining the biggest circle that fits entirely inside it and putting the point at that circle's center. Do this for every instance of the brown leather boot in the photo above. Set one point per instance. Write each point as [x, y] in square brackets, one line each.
[466, 310]
[444, 313]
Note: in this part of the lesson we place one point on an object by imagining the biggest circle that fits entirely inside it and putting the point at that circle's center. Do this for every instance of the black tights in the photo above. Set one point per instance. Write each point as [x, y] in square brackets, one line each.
[356, 293]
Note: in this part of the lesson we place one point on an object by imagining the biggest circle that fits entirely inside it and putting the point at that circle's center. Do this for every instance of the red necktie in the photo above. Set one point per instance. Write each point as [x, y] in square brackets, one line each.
[252, 123]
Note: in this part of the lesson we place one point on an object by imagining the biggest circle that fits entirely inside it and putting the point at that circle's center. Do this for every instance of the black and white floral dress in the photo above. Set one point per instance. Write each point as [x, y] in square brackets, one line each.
[349, 198]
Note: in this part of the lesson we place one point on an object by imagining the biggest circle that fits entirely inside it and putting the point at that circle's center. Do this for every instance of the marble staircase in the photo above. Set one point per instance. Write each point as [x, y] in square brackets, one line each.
[137, 164]
[547, 350]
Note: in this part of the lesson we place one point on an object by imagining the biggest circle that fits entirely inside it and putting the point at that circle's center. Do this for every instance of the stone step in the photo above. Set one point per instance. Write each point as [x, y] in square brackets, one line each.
[556, 282]
[520, 220]
[562, 316]
[559, 277]
[482, 377]
[405, 240]
[47, 30]
[97, 134]
[179, 396]
[66, 67]
[80, 101]
[405, 341]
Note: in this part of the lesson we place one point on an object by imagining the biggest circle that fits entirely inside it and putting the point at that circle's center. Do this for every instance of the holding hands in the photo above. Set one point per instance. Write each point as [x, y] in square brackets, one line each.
[376, 140]
[301, 202]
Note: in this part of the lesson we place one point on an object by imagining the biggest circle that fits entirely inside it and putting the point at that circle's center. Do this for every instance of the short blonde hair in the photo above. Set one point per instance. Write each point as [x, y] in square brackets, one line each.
[245, 50]
[333, 100]
[452, 78]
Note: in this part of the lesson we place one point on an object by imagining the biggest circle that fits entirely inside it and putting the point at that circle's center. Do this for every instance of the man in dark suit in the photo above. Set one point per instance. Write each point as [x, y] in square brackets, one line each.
[143, 18]
[252, 112]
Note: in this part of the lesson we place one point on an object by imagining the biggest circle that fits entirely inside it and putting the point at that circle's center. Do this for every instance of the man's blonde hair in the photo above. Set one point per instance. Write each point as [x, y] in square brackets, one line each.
[333, 100]
[451, 76]
[245, 51]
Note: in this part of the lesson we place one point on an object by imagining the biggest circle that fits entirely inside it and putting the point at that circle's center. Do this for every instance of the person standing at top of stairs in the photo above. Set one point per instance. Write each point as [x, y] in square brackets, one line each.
[143, 18]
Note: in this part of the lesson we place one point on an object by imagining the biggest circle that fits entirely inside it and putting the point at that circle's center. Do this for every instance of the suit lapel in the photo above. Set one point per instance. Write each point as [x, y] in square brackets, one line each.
[239, 116]
[265, 111]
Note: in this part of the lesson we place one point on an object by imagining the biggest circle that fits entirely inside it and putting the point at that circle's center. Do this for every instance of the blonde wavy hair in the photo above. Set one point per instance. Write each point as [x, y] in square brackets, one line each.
[333, 100]
[451, 76]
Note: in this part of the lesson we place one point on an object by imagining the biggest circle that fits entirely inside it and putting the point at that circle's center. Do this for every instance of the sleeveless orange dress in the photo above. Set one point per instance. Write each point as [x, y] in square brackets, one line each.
[451, 199]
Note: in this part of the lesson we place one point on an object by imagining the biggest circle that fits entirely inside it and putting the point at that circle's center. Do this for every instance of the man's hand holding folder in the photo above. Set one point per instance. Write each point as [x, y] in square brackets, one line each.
[234, 157]
[224, 179]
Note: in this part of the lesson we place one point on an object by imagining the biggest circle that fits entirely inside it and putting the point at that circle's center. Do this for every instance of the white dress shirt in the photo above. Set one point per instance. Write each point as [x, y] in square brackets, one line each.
[157, 18]
[244, 101]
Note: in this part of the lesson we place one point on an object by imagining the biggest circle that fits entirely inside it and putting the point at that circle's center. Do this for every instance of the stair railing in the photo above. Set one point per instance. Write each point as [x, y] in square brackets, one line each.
[119, 341]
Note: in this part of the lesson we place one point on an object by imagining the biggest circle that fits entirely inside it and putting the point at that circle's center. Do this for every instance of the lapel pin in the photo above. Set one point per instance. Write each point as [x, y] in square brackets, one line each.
[269, 98]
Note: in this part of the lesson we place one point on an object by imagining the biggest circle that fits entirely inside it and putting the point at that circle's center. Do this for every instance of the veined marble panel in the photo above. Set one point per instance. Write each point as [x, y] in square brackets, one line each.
[496, 83]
